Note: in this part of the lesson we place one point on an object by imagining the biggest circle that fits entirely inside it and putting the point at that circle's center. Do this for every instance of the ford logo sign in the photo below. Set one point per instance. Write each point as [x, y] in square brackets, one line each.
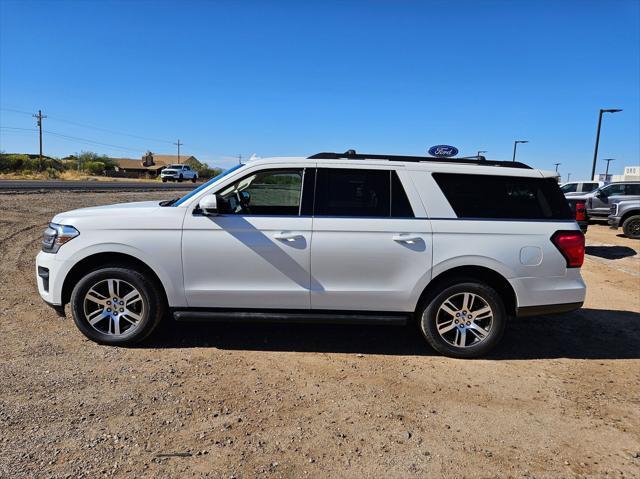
[443, 151]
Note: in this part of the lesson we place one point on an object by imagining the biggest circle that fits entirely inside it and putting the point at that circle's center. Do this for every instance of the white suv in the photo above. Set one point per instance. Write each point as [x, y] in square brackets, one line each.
[457, 245]
[178, 173]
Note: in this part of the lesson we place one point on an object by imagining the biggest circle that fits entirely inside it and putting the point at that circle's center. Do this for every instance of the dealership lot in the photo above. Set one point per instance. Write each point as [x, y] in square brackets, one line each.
[560, 398]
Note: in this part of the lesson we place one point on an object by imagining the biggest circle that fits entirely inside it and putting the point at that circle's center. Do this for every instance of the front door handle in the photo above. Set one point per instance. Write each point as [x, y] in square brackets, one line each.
[287, 236]
[406, 238]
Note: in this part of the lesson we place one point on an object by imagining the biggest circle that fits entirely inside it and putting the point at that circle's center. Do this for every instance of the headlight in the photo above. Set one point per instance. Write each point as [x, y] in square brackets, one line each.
[57, 235]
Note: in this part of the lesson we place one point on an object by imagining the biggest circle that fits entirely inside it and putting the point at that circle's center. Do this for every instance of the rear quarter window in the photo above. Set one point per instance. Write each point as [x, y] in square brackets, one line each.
[503, 197]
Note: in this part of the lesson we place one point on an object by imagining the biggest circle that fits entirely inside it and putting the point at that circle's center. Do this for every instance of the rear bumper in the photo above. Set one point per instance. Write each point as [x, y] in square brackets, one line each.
[547, 309]
[533, 292]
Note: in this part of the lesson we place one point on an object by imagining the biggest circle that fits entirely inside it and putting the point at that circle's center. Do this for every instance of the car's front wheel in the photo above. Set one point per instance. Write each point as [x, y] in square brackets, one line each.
[117, 306]
[631, 227]
[463, 320]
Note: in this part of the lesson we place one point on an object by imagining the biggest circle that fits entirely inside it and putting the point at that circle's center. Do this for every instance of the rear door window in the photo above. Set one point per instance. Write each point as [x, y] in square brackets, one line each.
[633, 189]
[503, 197]
[589, 187]
[360, 193]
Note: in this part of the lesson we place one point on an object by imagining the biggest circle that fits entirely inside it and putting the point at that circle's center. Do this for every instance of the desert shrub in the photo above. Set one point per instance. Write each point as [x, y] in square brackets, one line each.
[13, 162]
[52, 173]
[94, 167]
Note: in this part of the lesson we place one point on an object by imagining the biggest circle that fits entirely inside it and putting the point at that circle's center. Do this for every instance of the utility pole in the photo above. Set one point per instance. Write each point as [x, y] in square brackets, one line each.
[239, 159]
[568, 177]
[178, 143]
[608, 160]
[595, 151]
[515, 145]
[557, 164]
[40, 116]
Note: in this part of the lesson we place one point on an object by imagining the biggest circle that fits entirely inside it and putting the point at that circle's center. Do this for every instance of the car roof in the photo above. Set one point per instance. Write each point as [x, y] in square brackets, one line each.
[442, 166]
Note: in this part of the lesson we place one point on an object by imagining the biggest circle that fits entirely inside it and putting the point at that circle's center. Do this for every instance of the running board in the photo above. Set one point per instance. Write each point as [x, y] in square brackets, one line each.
[342, 317]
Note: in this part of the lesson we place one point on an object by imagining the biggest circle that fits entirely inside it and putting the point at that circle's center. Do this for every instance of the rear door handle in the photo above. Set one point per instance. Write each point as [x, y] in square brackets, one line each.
[287, 236]
[406, 238]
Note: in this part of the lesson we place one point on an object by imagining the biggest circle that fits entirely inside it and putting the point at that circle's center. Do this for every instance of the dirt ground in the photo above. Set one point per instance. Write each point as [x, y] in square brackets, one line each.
[560, 397]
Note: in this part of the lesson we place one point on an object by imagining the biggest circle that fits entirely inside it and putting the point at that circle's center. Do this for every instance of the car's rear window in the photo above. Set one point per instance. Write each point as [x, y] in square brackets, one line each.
[503, 197]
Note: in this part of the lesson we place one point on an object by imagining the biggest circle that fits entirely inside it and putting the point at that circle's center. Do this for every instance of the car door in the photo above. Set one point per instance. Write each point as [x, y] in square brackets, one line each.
[369, 251]
[603, 198]
[255, 253]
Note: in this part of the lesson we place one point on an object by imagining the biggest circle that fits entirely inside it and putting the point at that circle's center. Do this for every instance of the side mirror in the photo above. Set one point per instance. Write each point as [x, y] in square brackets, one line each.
[600, 194]
[209, 205]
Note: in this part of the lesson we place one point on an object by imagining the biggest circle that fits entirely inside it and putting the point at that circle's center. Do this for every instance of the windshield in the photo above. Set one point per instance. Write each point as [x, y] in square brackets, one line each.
[569, 187]
[206, 185]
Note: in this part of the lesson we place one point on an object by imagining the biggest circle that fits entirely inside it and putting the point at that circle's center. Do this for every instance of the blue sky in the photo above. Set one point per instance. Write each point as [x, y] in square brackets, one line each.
[296, 78]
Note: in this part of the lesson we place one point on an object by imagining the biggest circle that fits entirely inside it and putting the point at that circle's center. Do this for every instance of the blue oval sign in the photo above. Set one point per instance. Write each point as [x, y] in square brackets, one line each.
[443, 151]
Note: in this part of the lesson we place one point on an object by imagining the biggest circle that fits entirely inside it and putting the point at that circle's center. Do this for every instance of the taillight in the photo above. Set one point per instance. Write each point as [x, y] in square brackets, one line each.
[581, 211]
[571, 246]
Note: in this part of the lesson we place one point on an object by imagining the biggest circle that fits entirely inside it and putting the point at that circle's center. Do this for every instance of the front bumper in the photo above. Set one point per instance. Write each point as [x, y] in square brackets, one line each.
[50, 274]
[614, 222]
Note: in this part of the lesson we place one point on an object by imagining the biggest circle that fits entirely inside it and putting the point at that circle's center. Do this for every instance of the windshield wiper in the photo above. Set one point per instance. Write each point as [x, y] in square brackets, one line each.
[168, 202]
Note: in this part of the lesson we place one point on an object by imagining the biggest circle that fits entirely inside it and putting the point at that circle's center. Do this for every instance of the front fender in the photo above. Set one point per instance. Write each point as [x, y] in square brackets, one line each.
[169, 272]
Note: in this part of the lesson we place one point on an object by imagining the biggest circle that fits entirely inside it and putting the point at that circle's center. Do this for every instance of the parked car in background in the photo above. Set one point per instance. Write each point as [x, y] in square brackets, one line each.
[599, 202]
[178, 173]
[454, 247]
[579, 209]
[580, 187]
[626, 214]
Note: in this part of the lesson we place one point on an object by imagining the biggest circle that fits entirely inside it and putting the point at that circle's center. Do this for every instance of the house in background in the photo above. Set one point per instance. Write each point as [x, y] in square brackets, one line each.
[149, 166]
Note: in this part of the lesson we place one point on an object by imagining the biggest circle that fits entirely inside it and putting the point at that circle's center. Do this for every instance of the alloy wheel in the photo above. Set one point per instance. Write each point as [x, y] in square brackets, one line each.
[114, 307]
[464, 320]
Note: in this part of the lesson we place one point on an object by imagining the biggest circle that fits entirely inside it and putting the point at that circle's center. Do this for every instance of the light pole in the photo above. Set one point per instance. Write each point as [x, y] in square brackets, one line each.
[515, 145]
[595, 151]
[568, 177]
[608, 160]
[556, 165]
[480, 152]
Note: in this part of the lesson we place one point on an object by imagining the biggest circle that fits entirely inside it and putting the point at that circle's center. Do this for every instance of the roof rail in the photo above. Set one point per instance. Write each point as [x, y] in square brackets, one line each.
[469, 160]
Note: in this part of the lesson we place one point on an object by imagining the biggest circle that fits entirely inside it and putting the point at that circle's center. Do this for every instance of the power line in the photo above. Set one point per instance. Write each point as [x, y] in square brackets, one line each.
[86, 140]
[17, 111]
[16, 128]
[93, 127]
[98, 128]
[75, 138]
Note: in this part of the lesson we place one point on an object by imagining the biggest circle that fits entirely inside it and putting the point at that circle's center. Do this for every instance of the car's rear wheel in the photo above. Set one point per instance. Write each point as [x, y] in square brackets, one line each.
[631, 227]
[117, 306]
[463, 320]
[193, 180]
[164, 180]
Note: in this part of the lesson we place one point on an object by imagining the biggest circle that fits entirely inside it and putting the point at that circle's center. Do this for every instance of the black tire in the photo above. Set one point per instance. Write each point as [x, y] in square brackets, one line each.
[164, 180]
[631, 227]
[151, 297]
[428, 316]
[193, 180]
[180, 178]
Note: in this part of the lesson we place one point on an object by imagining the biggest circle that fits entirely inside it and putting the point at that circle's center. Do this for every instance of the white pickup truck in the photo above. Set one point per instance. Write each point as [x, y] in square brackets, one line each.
[178, 173]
